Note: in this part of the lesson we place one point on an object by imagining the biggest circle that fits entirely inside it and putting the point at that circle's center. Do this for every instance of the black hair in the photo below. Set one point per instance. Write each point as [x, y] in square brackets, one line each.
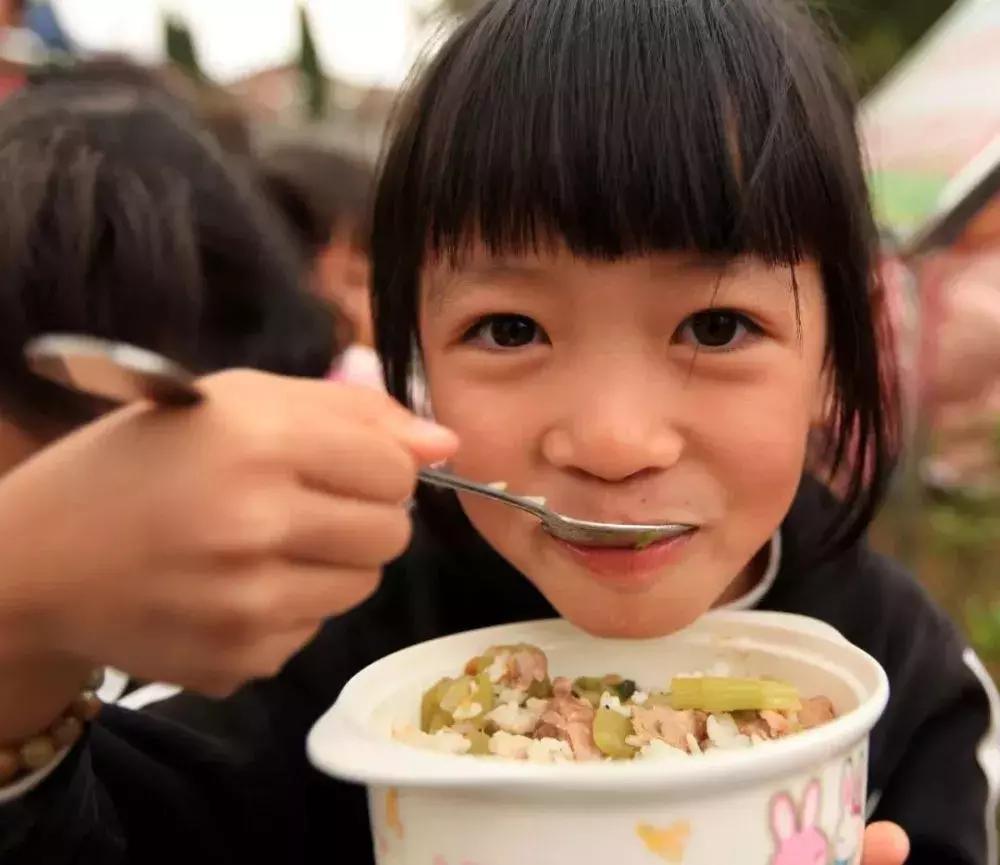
[122, 219]
[208, 104]
[319, 191]
[624, 127]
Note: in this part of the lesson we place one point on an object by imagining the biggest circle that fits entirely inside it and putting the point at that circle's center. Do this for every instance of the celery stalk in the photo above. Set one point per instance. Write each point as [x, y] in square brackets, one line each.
[718, 694]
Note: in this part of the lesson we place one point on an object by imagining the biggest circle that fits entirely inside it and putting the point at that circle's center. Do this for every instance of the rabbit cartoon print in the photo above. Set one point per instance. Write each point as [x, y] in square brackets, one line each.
[798, 838]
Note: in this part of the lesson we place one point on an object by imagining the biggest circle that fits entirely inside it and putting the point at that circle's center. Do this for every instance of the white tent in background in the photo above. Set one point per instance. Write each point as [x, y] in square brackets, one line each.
[932, 128]
[932, 133]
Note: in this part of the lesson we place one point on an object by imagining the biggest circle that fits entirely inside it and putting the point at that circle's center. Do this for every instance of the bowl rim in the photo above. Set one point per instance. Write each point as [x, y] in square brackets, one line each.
[341, 745]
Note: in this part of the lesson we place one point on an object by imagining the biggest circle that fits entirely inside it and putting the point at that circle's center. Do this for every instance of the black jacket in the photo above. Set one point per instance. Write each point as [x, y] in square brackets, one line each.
[227, 782]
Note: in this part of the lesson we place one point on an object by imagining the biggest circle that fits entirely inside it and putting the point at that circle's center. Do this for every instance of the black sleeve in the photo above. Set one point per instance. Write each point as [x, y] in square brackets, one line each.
[938, 743]
[145, 787]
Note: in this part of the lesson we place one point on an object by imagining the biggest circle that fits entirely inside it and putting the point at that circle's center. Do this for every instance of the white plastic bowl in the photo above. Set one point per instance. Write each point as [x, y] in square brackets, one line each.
[796, 801]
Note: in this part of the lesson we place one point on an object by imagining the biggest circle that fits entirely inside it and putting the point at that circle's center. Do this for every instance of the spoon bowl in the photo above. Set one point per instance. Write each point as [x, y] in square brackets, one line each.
[585, 533]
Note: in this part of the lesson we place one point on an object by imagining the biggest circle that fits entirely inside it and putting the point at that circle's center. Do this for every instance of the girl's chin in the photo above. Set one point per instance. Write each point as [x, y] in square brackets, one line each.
[635, 619]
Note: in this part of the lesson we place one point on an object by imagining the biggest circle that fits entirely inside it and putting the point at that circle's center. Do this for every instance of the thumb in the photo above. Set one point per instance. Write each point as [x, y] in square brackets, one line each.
[885, 844]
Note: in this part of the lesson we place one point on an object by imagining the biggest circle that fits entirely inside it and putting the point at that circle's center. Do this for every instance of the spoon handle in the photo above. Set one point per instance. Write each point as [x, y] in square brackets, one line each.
[444, 480]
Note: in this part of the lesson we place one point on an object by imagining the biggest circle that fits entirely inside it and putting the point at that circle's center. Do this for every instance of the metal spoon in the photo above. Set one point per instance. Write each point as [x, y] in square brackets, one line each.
[123, 373]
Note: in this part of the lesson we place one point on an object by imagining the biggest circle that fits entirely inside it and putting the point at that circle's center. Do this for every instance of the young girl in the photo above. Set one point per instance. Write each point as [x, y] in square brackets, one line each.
[631, 244]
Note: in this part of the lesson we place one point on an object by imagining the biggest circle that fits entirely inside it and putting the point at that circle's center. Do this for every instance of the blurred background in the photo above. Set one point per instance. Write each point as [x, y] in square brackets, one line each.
[327, 71]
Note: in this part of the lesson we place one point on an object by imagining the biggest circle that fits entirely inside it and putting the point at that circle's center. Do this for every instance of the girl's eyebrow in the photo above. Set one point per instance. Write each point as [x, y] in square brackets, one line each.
[443, 287]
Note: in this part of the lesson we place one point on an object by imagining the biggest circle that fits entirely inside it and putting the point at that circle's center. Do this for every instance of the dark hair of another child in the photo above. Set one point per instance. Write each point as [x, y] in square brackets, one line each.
[123, 219]
[320, 192]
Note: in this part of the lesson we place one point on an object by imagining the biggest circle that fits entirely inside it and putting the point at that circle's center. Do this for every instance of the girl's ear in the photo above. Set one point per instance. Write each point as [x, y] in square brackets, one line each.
[783, 819]
[810, 805]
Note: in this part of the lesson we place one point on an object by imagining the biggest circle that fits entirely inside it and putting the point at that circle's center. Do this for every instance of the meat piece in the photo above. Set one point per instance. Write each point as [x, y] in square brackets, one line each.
[777, 723]
[816, 711]
[668, 725]
[751, 724]
[517, 667]
[570, 719]
[529, 666]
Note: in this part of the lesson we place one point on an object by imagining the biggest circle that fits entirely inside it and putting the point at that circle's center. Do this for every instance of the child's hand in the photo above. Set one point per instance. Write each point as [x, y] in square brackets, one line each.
[200, 546]
[885, 844]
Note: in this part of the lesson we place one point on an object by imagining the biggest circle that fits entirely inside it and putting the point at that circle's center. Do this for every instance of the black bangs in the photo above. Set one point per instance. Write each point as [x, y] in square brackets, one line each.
[624, 127]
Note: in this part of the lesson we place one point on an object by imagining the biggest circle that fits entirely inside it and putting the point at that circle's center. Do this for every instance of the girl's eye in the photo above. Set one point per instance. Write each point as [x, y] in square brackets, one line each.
[505, 331]
[717, 330]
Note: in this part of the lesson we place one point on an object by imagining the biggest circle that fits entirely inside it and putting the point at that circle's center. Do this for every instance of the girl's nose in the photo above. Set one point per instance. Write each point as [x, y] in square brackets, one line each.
[615, 434]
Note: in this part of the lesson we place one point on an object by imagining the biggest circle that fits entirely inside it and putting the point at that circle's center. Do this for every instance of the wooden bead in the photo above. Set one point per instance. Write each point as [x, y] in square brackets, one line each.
[37, 753]
[96, 680]
[85, 707]
[10, 765]
[66, 731]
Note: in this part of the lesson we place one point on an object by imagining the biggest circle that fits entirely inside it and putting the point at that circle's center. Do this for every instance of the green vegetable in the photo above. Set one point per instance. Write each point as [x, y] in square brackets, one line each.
[610, 732]
[647, 539]
[437, 708]
[455, 693]
[541, 690]
[430, 705]
[484, 692]
[589, 683]
[716, 694]
[480, 742]
[439, 720]
[592, 688]
[624, 689]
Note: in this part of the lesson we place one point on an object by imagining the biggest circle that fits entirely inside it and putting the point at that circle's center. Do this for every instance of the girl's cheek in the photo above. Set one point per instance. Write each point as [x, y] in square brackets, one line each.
[496, 425]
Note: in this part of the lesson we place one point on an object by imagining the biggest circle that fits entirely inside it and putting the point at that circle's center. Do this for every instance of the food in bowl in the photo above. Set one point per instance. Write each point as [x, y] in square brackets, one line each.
[505, 705]
[741, 805]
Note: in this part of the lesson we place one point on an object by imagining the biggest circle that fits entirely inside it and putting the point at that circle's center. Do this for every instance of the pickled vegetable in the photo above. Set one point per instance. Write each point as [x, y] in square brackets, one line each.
[624, 689]
[590, 683]
[439, 720]
[720, 694]
[610, 731]
[430, 705]
[541, 690]
[592, 688]
[480, 743]
[457, 692]
[448, 696]
[647, 539]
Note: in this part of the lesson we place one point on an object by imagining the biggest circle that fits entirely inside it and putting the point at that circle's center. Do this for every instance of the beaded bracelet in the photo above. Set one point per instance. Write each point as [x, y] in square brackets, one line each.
[39, 751]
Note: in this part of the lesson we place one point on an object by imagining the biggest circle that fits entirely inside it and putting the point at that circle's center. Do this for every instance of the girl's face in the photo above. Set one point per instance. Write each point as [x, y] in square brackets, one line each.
[657, 389]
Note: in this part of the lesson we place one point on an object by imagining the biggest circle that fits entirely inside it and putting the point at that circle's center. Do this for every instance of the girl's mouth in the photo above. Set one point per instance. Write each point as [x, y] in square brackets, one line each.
[627, 568]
